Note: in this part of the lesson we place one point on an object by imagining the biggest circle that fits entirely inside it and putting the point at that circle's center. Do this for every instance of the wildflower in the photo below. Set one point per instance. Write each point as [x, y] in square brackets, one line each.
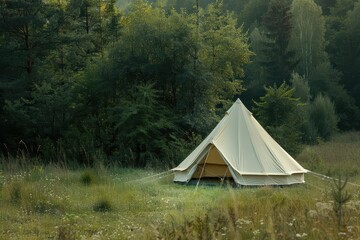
[242, 221]
[312, 213]
[298, 235]
[292, 222]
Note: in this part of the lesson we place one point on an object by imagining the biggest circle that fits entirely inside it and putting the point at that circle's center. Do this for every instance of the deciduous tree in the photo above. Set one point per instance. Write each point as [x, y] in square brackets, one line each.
[308, 35]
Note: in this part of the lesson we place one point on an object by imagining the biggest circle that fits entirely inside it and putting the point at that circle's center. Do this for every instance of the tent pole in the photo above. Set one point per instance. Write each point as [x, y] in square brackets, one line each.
[202, 171]
[222, 179]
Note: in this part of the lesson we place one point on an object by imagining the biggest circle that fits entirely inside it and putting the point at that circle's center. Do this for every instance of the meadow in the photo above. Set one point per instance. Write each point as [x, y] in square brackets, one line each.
[52, 202]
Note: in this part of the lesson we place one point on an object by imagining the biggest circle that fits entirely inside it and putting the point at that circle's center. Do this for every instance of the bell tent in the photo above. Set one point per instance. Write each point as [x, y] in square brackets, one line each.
[240, 149]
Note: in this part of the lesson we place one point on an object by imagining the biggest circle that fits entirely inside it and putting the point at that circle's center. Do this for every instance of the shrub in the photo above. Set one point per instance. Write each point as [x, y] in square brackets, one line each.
[65, 232]
[15, 192]
[103, 205]
[322, 117]
[88, 177]
[68, 229]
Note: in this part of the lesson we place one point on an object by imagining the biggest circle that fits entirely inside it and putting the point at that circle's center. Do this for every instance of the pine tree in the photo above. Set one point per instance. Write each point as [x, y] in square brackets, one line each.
[29, 32]
[280, 113]
[279, 61]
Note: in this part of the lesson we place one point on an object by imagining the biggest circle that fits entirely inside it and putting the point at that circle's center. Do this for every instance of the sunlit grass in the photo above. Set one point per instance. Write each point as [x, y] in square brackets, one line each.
[341, 155]
[54, 203]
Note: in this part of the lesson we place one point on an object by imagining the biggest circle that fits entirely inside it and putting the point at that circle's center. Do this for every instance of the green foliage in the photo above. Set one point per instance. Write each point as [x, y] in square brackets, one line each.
[15, 192]
[343, 35]
[342, 31]
[103, 205]
[74, 74]
[256, 74]
[181, 147]
[150, 75]
[88, 177]
[325, 79]
[280, 61]
[36, 173]
[276, 107]
[224, 52]
[301, 86]
[326, 5]
[65, 232]
[280, 113]
[322, 117]
[340, 197]
[308, 35]
[252, 13]
[147, 120]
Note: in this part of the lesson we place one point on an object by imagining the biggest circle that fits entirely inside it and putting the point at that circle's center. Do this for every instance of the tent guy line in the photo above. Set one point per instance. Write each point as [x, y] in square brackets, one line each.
[152, 177]
[171, 172]
[324, 177]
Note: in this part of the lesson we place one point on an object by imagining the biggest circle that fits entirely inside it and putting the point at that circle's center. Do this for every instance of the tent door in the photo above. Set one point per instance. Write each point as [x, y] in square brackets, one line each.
[212, 166]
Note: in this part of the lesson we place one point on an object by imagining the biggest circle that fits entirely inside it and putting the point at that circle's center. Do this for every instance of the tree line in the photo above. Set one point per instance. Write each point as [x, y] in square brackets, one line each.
[140, 83]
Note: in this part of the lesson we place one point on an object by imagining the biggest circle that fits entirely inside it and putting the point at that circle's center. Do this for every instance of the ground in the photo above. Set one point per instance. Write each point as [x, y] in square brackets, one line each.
[51, 202]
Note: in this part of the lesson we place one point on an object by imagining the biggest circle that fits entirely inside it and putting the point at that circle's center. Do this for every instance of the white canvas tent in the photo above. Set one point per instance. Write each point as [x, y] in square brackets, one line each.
[241, 149]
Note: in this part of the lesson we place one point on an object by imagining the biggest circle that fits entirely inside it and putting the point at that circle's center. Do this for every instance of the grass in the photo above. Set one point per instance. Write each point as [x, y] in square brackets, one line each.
[55, 203]
[341, 155]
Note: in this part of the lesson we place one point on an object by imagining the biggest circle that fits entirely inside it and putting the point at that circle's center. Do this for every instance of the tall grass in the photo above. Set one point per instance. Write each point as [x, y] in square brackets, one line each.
[340, 155]
[42, 202]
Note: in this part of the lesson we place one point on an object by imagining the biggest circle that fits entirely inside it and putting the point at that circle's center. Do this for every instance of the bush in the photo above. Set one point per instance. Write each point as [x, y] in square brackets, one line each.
[322, 117]
[88, 177]
[65, 232]
[103, 205]
[15, 192]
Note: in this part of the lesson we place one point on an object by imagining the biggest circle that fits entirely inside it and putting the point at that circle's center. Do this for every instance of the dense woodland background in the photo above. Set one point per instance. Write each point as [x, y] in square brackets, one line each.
[140, 83]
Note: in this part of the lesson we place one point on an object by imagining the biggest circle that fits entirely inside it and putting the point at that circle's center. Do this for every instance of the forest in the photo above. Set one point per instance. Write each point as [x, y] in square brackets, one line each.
[140, 83]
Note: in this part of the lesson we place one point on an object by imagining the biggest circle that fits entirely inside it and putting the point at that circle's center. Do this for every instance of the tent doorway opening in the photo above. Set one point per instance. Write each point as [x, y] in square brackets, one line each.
[212, 169]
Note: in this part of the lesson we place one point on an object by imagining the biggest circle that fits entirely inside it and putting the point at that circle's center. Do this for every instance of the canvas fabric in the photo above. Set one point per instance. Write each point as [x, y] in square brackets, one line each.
[241, 148]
